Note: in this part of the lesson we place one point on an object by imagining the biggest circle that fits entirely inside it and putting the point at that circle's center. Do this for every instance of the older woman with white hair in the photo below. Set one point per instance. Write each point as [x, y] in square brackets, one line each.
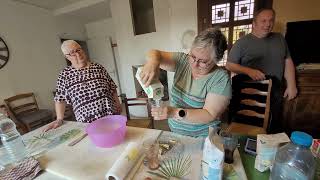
[201, 90]
[86, 86]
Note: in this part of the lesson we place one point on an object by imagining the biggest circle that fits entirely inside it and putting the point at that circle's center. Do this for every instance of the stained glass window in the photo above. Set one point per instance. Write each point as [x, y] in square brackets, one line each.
[239, 31]
[224, 59]
[234, 25]
[225, 32]
[220, 13]
[243, 9]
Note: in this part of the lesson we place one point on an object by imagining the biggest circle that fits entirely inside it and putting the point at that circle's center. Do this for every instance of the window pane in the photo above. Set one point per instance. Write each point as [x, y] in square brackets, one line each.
[224, 59]
[243, 9]
[220, 13]
[225, 32]
[239, 31]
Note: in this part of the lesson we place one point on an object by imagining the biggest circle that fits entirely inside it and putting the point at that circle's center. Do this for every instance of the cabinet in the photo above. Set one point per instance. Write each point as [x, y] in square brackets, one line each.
[303, 113]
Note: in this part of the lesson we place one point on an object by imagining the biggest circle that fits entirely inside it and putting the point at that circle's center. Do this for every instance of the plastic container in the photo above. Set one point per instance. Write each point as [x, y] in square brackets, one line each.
[294, 161]
[12, 140]
[107, 131]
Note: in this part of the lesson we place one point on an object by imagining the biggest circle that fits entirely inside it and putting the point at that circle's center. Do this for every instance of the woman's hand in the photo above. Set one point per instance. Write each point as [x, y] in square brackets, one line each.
[53, 125]
[149, 72]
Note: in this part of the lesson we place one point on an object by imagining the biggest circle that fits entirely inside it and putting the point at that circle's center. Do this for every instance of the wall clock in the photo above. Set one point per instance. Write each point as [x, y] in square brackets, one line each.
[4, 53]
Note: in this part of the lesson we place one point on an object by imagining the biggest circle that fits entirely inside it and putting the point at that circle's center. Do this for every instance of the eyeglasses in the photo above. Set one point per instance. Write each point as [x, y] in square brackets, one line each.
[202, 62]
[74, 52]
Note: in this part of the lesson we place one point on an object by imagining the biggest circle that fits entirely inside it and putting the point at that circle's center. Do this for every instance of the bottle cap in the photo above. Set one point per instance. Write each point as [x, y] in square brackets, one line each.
[301, 138]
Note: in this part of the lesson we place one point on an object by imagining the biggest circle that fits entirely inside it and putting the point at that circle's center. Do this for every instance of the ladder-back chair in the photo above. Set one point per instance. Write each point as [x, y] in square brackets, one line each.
[250, 106]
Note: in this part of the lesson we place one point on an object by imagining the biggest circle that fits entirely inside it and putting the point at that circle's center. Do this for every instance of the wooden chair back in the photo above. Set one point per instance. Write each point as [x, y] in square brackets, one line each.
[250, 104]
[137, 122]
[20, 127]
[22, 103]
[25, 110]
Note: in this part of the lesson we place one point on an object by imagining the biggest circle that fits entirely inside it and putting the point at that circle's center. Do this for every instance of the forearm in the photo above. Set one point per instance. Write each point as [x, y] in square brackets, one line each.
[161, 59]
[60, 108]
[199, 116]
[154, 57]
[289, 73]
[237, 68]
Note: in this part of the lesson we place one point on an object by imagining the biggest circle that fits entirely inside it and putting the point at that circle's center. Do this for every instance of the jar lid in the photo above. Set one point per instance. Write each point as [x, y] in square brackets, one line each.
[301, 138]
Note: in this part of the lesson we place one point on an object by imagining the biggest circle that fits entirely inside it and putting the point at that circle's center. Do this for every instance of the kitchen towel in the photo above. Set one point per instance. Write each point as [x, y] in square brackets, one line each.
[125, 163]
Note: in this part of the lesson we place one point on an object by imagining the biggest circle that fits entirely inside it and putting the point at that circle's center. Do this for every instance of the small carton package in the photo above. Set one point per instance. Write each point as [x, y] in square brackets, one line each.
[267, 146]
[154, 90]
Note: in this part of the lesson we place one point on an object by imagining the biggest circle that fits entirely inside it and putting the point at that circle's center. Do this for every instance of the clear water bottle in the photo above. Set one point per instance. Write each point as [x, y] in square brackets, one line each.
[294, 161]
[12, 140]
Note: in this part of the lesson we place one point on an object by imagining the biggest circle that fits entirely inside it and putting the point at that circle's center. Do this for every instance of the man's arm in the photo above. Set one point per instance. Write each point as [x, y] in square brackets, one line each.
[252, 73]
[290, 76]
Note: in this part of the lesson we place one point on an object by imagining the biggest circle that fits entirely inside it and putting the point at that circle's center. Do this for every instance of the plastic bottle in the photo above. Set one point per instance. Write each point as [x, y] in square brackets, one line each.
[294, 161]
[12, 140]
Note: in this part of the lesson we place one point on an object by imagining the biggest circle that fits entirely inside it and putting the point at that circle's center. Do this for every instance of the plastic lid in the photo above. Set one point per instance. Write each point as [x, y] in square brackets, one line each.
[301, 138]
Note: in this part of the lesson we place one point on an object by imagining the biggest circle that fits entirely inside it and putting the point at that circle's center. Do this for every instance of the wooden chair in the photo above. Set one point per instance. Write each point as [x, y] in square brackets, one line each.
[20, 127]
[137, 122]
[250, 106]
[25, 110]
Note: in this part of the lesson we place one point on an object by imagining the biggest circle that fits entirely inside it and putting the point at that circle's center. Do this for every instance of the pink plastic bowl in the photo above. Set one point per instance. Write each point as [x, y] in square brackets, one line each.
[107, 131]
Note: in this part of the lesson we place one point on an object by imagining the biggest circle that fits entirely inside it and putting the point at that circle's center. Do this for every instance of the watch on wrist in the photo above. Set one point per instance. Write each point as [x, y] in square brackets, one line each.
[182, 113]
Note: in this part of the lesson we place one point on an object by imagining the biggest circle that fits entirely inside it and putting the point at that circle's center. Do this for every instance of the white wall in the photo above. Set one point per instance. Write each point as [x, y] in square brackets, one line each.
[35, 60]
[171, 19]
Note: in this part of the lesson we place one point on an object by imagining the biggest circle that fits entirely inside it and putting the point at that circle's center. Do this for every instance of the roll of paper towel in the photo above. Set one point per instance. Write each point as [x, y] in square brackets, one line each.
[125, 163]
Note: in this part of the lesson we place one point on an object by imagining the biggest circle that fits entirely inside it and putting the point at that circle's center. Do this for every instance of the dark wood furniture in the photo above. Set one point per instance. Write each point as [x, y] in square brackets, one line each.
[143, 122]
[25, 110]
[303, 112]
[20, 127]
[250, 106]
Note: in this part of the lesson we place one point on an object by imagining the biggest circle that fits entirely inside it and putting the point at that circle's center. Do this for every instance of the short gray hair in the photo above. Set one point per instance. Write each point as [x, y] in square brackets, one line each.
[211, 38]
[66, 44]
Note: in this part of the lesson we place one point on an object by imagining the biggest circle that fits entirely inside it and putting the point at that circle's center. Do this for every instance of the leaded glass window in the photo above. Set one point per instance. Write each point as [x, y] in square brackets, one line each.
[234, 17]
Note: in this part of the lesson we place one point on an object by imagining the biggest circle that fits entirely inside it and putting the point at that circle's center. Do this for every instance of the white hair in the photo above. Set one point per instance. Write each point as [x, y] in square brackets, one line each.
[66, 44]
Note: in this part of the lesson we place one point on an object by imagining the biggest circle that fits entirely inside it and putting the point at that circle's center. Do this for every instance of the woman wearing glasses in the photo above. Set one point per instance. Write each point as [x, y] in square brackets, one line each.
[86, 86]
[201, 90]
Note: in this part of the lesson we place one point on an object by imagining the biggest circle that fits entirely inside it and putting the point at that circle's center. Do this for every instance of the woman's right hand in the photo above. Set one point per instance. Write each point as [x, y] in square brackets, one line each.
[149, 72]
[151, 69]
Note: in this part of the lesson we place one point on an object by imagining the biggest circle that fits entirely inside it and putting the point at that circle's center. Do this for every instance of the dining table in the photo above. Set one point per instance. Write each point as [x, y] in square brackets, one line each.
[84, 160]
